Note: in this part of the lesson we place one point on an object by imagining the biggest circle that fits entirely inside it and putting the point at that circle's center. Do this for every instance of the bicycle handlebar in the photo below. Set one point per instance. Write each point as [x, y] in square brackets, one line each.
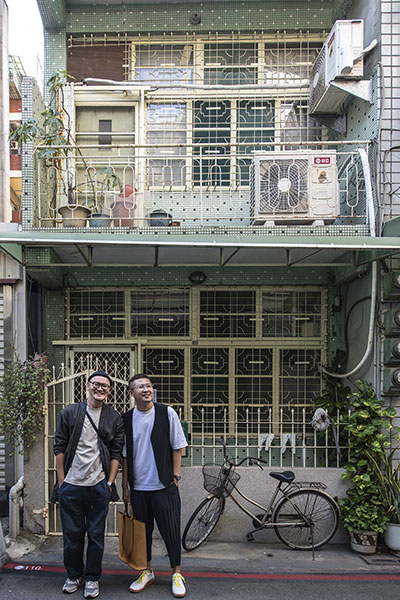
[251, 459]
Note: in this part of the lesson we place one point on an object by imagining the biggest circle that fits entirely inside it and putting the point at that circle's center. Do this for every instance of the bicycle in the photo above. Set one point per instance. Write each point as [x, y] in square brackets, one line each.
[303, 515]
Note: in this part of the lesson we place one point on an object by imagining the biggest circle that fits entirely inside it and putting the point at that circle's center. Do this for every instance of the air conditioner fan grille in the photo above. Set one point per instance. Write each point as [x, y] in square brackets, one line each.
[284, 186]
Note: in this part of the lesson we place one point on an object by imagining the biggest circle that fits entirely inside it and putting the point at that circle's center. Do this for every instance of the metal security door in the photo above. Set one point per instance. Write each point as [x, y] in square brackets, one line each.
[70, 387]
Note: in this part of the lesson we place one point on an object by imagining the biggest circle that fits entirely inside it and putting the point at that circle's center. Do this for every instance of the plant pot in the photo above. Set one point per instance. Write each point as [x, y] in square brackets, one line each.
[364, 542]
[74, 215]
[123, 212]
[99, 220]
[392, 537]
[160, 218]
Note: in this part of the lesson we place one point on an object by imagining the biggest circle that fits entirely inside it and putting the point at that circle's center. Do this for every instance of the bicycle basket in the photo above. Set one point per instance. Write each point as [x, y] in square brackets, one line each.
[219, 480]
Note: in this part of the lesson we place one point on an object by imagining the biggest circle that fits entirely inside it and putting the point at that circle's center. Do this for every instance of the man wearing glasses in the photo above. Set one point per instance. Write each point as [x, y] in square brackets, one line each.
[88, 444]
[154, 441]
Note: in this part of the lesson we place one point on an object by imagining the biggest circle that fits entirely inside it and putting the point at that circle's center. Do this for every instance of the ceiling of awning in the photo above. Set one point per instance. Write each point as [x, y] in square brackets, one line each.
[81, 249]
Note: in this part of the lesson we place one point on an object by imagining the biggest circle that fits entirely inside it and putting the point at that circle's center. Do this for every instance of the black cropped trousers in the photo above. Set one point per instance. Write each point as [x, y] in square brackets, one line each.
[163, 507]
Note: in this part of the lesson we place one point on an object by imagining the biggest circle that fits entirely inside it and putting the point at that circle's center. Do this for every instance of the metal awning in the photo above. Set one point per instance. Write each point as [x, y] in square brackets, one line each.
[158, 249]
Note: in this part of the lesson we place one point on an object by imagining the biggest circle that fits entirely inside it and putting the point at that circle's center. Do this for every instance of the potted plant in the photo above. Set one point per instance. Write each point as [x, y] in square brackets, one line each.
[53, 138]
[362, 510]
[124, 206]
[21, 400]
[100, 215]
[388, 477]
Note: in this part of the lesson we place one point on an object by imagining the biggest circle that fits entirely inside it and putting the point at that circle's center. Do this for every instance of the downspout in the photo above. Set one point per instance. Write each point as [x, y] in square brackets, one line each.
[374, 281]
[13, 507]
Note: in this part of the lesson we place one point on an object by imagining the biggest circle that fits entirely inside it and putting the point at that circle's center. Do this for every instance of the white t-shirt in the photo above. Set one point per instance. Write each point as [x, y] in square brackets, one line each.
[144, 463]
[86, 468]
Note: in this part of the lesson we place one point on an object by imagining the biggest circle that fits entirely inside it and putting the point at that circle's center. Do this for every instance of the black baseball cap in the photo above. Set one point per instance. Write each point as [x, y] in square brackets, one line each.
[100, 373]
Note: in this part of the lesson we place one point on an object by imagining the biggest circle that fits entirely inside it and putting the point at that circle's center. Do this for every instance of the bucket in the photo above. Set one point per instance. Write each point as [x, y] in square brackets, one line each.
[160, 218]
[99, 220]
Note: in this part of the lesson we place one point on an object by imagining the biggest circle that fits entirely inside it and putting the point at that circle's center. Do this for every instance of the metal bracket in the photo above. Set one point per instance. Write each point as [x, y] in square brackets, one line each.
[336, 122]
[44, 512]
[361, 89]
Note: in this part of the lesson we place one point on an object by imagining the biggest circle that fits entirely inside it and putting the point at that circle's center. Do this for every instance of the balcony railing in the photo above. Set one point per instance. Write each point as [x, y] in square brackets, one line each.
[130, 186]
[284, 440]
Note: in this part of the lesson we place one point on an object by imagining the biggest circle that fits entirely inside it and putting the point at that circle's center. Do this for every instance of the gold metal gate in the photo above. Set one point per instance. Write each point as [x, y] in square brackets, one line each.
[68, 386]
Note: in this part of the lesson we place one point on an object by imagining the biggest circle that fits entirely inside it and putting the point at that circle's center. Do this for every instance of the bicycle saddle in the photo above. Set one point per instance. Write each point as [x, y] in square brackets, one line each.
[285, 477]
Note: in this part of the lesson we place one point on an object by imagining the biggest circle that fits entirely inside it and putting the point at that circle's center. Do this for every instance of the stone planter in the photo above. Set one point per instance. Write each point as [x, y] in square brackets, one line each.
[364, 542]
[392, 537]
[74, 215]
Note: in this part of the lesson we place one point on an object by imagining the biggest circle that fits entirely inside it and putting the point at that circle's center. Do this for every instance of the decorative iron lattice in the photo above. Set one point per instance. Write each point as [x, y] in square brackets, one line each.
[227, 314]
[116, 364]
[166, 369]
[160, 312]
[96, 314]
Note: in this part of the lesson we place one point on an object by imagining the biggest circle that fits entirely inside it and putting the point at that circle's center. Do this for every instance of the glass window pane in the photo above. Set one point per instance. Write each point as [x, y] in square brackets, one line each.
[230, 64]
[166, 63]
[166, 124]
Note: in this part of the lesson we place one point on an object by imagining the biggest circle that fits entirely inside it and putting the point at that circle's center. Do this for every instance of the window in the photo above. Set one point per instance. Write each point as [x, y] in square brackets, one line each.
[234, 96]
[96, 314]
[160, 312]
[166, 124]
[230, 63]
[167, 63]
[104, 126]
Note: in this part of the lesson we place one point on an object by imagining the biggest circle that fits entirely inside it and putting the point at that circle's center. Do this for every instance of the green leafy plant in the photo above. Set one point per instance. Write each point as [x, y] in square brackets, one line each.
[53, 139]
[21, 400]
[388, 477]
[367, 428]
[54, 129]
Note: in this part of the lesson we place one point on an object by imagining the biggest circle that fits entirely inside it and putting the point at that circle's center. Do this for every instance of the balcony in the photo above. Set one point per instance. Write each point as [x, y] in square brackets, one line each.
[16, 73]
[196, 188]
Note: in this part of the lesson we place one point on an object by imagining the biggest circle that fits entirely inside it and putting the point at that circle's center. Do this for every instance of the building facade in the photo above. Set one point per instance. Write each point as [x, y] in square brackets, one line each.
[218, 214]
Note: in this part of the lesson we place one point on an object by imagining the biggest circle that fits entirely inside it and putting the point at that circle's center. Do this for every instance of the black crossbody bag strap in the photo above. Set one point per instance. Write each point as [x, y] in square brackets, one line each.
[114, 492]
[94, 426]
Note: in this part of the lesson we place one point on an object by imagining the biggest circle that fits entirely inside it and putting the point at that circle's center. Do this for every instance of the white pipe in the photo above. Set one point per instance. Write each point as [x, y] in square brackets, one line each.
[13, 504]
[190, 86]
[374, 280]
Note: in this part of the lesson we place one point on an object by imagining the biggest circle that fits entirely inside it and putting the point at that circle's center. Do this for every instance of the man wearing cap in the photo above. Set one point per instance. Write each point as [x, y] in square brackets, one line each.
[88, 444]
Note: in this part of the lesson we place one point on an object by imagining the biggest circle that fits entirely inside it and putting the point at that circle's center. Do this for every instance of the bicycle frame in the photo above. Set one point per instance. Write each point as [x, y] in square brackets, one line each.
[265, 522]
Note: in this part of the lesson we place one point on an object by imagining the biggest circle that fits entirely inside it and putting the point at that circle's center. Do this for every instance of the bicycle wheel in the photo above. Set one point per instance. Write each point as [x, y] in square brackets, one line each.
[202, 522]
[316, 510]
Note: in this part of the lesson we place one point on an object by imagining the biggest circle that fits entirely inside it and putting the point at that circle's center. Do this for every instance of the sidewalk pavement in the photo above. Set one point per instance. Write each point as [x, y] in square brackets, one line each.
[216, 557]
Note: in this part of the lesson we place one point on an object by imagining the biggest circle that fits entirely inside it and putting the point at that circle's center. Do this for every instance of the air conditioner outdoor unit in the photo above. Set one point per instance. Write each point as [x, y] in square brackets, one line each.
[339, 60]
[294, 187]
[14, 147]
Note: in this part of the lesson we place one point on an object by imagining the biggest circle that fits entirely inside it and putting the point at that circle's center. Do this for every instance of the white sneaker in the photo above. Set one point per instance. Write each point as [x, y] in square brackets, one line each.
[91, 589]
[145, 578]
[178, 585]
[71, 585]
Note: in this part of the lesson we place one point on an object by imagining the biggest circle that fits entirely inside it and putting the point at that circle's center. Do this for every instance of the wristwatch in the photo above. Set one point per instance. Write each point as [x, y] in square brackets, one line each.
[177, 477]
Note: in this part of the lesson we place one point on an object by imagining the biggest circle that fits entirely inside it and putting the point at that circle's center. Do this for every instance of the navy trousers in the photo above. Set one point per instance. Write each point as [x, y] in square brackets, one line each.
[163, 506]
[83, 510]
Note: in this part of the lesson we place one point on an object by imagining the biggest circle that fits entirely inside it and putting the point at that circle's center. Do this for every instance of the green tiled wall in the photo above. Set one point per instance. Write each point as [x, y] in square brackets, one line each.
[291, 15]
[179, 276]
[32, 106]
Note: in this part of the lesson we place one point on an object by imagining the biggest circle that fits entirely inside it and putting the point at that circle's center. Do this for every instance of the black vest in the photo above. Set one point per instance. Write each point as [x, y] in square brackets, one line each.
[159, 440]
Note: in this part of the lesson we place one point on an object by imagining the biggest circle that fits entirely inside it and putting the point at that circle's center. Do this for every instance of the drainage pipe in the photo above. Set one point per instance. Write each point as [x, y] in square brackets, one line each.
[13, 507]
[374, 280]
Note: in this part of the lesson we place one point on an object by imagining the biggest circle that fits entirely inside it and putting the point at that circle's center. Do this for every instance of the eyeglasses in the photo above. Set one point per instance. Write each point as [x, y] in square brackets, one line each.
[146, 386]
[100, 386]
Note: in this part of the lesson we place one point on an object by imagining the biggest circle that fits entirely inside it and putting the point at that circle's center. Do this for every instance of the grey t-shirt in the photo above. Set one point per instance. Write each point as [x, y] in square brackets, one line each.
[86, 468]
